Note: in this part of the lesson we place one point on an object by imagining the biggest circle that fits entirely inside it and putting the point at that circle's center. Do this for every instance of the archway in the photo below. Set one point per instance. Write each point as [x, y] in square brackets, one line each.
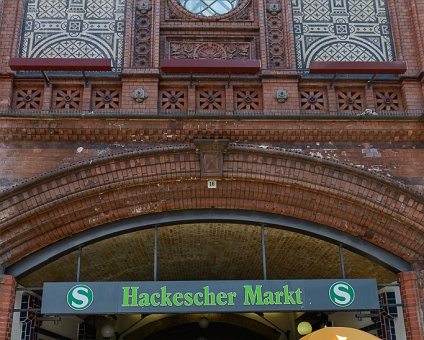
[108, 196]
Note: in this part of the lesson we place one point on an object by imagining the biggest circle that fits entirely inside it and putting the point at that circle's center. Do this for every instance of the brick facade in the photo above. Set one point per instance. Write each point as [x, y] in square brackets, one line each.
[412, 304]
[68, 150]
[7, 302]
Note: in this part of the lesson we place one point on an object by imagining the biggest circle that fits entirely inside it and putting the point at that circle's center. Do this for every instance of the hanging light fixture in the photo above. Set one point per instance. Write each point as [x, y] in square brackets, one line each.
[107, 331]
[203, 322]
[304, 328]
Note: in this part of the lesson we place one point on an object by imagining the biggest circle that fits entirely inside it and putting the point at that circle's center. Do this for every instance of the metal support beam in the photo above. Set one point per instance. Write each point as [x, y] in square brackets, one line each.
[155, 259]
[79, 264]
[355, 244]
[333, 79]
[263, 252]
[370, 82]
[229, 82]
[342, 265]
[46, 79]
[85, 79]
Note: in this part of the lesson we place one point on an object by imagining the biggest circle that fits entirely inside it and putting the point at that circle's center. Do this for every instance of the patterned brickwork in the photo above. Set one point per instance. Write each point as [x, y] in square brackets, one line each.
[210, 100]
[351, 100]
[74, 29]
[28, 97]
[341, 30]
[173, 100]
[388, 100]
[106, 98]
[67, 98]
[186, 130]
[313, 100]
[247, 100]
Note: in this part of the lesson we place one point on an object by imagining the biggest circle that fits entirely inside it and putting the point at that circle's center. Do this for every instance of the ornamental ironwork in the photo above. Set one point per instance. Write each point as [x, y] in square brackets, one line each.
[209, 8]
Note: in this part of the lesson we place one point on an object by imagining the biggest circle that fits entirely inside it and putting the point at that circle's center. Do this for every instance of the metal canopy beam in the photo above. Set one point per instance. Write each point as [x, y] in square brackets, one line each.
[357, 67]
[60, 64]
[355, 244]
[209, 66]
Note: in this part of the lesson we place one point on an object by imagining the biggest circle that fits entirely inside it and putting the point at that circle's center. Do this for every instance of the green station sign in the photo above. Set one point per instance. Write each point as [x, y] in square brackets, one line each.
[208, 296]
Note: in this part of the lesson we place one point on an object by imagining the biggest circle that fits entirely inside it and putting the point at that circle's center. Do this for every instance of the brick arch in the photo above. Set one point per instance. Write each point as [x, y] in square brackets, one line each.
[177, 320]
[91, 194]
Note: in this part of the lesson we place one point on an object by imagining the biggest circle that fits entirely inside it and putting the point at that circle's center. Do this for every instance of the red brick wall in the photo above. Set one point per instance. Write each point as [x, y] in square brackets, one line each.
[412, 309]
[390, 148]
[7, 303]
[33, 143]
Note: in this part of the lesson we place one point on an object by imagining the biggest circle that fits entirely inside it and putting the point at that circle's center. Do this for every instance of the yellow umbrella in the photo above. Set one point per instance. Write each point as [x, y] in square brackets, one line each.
[339, 333]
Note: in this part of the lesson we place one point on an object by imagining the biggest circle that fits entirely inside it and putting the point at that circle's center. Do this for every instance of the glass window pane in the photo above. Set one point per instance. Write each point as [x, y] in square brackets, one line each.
[209, 8]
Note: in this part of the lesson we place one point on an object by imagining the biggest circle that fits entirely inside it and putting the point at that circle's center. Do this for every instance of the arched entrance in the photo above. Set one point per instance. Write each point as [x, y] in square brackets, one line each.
[91, 201]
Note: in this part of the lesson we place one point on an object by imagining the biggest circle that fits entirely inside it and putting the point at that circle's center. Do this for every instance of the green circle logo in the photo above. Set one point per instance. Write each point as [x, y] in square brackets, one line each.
[341, 294]
[80, 297]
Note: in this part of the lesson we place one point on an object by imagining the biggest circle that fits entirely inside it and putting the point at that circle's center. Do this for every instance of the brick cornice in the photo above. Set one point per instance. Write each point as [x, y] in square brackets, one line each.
[132, 128]
[93, 193]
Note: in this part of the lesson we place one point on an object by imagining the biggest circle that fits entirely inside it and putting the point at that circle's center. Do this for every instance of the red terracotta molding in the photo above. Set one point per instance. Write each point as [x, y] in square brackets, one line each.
[60, 64]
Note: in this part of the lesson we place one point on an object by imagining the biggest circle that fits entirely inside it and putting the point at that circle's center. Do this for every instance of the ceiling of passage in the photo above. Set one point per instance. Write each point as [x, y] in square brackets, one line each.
[208, 251]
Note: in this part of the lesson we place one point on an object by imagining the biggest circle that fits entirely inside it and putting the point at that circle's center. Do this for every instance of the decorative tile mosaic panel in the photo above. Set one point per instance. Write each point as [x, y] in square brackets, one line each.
[74, 29]
[341, 30]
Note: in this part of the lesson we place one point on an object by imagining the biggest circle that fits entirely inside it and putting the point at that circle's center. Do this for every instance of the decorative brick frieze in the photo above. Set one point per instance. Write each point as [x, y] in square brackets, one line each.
[246, 100]
[210, 100]
[59, 128]
[388, 100]
[313, 99]
[351, 100]
[28, 97]
[106, 98]
[173, 100]
[67, 98]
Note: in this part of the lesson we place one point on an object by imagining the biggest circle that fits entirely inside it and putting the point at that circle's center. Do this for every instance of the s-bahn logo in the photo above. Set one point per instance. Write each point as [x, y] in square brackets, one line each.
[80, 297]
[341, 294]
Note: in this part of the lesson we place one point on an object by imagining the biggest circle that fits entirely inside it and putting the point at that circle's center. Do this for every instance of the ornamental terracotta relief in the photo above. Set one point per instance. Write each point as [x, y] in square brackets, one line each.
[210, 50]
[275, 26]
[143, 34]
